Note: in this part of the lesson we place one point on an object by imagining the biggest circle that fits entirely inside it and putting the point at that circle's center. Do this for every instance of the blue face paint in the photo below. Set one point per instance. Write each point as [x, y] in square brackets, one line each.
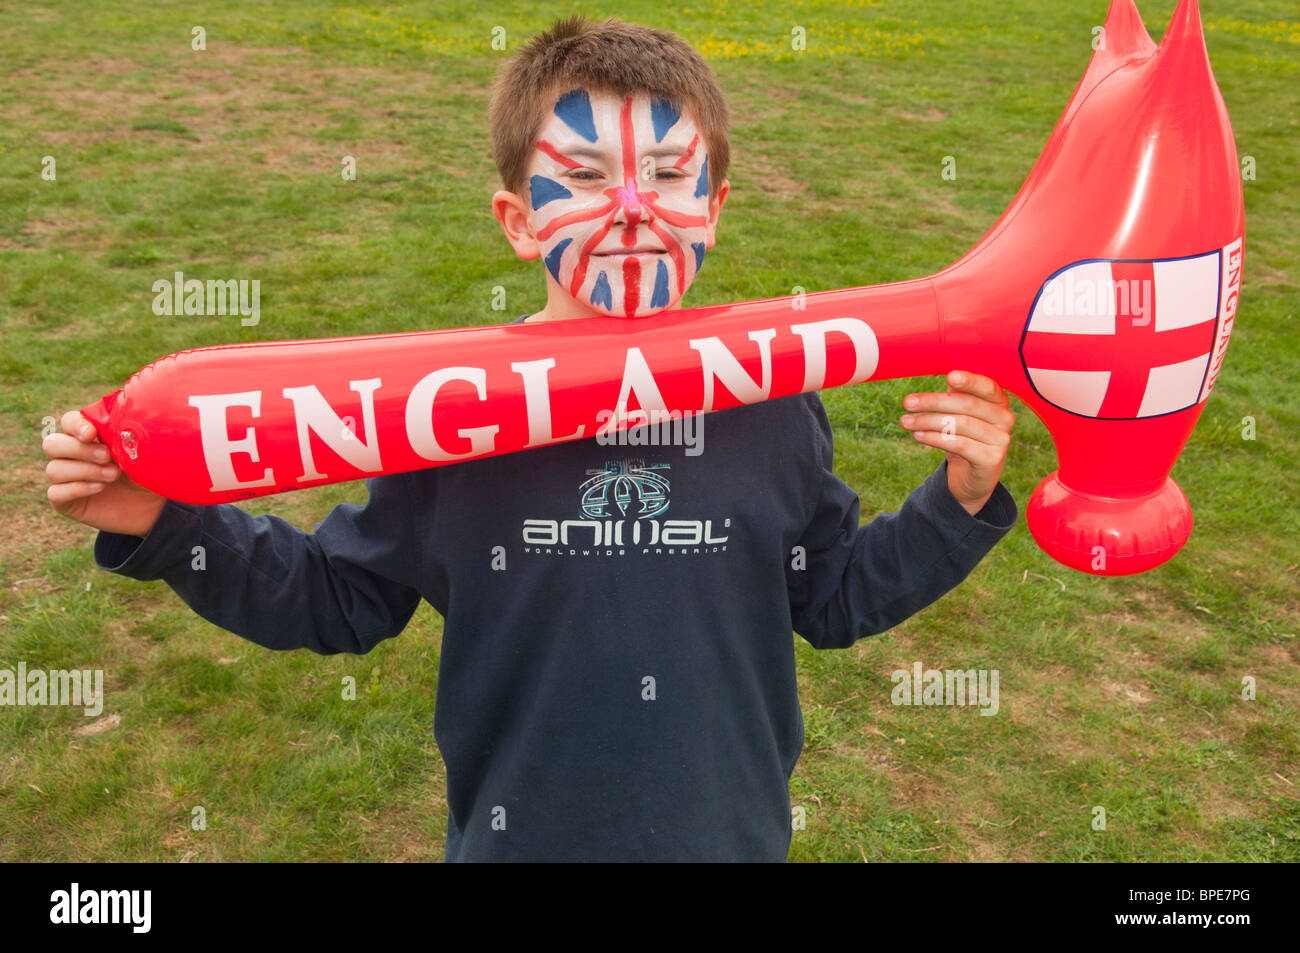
[600, 293]
[664, 114]
[553, 258]
[698, 248]
[660, 297]
[702, 183]
[545, 190]
[574, 107]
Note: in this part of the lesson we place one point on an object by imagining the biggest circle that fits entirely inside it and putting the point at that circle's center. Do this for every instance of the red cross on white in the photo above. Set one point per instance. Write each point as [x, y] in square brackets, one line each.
[1125, 340]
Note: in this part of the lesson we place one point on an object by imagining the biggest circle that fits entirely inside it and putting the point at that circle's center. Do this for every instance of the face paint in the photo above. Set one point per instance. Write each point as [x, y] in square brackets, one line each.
[619, 188]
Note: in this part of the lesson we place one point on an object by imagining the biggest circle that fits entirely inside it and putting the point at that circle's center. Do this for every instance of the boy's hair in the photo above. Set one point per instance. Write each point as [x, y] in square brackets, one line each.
[612, 56]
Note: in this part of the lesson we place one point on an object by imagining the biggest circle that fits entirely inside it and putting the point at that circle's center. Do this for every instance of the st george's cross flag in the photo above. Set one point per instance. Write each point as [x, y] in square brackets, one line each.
[1121, 340]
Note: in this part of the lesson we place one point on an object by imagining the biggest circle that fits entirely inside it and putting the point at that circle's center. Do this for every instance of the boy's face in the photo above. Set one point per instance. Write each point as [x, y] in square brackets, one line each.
[618, 202]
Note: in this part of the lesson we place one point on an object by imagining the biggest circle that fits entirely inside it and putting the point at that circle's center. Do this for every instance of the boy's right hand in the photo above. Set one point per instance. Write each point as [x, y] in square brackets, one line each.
[87, 487]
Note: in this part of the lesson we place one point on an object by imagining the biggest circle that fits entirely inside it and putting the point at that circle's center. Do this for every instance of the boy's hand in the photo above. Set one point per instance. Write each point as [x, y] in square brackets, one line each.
[973, 423]
[87, 487]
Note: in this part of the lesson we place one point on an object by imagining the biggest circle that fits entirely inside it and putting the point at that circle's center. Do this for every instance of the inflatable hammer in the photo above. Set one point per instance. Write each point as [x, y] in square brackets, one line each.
[1103, 297]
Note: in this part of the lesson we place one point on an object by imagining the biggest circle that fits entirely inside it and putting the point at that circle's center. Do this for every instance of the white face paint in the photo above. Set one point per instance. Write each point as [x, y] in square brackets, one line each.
[619, 190]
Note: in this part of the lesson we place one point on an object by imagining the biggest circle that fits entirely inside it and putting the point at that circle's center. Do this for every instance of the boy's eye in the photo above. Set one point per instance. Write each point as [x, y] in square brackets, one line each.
[585, 175]
[671, 175]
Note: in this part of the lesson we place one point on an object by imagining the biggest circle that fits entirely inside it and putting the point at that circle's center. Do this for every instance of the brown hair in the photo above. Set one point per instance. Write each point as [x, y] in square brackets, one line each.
[612, 56]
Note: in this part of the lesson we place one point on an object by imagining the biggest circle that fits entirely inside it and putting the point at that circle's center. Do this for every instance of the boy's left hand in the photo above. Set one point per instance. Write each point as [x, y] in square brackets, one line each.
[973, 423]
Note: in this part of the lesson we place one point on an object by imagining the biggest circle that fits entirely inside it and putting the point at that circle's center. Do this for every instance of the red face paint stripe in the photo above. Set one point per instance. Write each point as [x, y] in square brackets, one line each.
[629, 141]
[674, 252]
[690, 152]
[584, 256]
[631, 286]
[677, 218]
[582, 215]
[551, 151]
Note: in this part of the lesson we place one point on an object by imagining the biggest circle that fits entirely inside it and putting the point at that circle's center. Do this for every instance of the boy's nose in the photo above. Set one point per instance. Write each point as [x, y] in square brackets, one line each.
[630, 203]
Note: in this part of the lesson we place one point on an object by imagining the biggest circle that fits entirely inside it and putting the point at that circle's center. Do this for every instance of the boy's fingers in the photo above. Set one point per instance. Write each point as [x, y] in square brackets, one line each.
[69, 471]
[67, 447]
[945, 426]
[974, 452]
[69, 492]
[74, 423]
[998, 414]
[977, 384]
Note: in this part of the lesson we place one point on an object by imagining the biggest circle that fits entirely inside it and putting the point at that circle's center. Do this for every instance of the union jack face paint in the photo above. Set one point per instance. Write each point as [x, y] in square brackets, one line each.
[619, 192]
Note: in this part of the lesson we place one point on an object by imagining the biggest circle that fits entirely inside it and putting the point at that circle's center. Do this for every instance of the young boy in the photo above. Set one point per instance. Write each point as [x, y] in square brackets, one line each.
[634, 700]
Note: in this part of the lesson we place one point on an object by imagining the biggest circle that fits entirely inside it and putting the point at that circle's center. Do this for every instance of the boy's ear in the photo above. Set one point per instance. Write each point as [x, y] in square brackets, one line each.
[512, 212]
[715, 209]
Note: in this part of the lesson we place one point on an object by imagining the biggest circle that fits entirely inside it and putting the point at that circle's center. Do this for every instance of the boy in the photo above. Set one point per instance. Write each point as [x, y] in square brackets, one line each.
[635, 700]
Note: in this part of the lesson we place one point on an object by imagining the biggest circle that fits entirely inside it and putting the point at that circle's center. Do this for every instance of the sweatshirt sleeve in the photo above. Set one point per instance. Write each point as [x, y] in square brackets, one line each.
[859, 581]
[344, 588]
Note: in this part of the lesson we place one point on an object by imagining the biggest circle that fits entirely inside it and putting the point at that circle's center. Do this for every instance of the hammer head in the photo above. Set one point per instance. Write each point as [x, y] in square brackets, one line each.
[1139, 190]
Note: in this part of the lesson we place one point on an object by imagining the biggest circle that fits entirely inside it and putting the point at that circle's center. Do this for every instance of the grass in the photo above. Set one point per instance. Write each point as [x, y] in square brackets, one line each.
[1119, 694]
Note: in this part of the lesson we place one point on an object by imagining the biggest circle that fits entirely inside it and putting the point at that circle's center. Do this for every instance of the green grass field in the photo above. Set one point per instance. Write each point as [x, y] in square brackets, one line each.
[1124, 694]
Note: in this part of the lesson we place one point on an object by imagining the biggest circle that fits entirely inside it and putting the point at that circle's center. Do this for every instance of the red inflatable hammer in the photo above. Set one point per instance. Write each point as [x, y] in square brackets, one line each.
[1103, 297]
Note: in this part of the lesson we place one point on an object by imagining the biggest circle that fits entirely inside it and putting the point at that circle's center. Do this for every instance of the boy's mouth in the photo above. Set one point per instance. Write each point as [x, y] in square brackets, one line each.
[639, 250]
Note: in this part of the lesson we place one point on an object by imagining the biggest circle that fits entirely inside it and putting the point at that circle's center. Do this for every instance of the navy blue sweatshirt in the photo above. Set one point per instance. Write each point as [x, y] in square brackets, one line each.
[617, 675]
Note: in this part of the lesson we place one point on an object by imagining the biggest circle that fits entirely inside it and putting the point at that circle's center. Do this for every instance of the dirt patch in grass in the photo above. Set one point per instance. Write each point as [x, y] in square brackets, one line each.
[260, 112]
[769, 176]
[28, 535]
[73, 229]
[30, 529]
[930, 115]
[1125, 693]
[280, 101]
